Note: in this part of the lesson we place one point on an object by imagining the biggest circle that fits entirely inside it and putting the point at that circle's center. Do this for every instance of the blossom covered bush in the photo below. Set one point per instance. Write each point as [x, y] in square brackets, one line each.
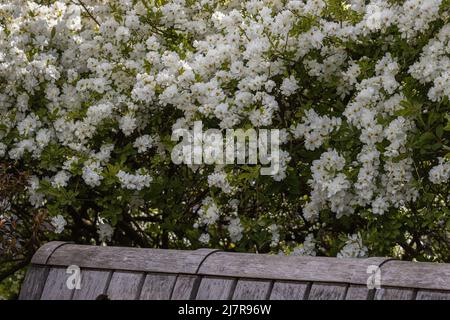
[91, 92]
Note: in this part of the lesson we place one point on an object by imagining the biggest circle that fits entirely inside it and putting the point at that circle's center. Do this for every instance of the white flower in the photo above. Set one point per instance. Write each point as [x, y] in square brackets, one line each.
[59, 223]
[2, 149]
[127, 124]
[105, 231]
[29, 124]
[440, 173]
[136, 181]
[289, 86]
[235, 229]
[43, 137]
[60, 179]
[379, 205]
[122, 33]
[204, 238]
[92, 174]
[219, 179]
[315, 129]
[275, 231]
[208, 213]
[353, 248]
[143, 143]
[308, 248]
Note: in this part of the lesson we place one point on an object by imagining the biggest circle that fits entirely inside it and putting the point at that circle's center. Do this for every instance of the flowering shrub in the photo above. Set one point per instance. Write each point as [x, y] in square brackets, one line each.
[91, 92]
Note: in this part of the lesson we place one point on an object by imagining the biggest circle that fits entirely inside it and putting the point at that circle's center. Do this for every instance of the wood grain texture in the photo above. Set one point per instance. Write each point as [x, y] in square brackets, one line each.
[355, 292]
[93, 284]
[125, 285]
[423, 275]
[207, 274]
[215, 288]
[251, 289]
[300, 268]
[33, 283]
[394, 294]
[185, 287]
[157, 286]
[287, 290]
[433, 295]
[43, 253]
[129, 259]
[56, 285]
[327, 291]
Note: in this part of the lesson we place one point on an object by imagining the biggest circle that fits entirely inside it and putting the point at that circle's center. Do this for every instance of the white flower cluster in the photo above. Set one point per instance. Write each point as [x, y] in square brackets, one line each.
[105, 231]
[274, 230]
[77, 83]
[35, 197]
[208, 213]
[235, 229]
[60, 179]
[143, 143]
[308, 248]
[92, 173]
[440, 173]
[434, 65]
[330, 187]
[137, 181]
[353, 248]
[219, 179]
[59, 223]
[315, 129]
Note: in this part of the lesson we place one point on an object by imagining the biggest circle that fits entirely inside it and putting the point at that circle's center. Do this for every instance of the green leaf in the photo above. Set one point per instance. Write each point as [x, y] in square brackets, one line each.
[424, 139]
[439, 131]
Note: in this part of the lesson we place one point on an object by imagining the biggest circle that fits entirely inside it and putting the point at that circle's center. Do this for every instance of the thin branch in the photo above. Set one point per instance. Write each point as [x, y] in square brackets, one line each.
[87, 10]
[14, 269]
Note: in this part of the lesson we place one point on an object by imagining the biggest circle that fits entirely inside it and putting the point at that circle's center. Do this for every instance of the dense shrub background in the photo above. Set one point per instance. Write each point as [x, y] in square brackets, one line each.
[90, 93]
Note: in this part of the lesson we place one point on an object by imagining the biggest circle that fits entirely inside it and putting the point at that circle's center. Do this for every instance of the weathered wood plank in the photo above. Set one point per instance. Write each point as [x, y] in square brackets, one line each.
[56, 285]
[129, 259]
[299, 268]
[93, 284]
[355, 292]
[215, 288]
[432, 295]
[422, 275]
[394, 294]
[34, 283]
[185, 287]
[43, 253]
[251, 290]
[125, 285]
[287, 290]
[157, 286]
[327, 291]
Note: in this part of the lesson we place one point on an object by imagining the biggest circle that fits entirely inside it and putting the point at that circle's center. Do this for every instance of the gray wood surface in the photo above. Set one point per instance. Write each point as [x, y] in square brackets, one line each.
[252, 289]
[394, 294]
[43, 253]
[327, 291]
[433, 295]
[185, 287]
[158, 286]
[125, 285]
[56, 285]
[423, 275]
[135, 273]
[356, 292]
[33, 283]
[288, 290]
[129, 259]
[302, 268]
[216, 288]
[93, 283]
